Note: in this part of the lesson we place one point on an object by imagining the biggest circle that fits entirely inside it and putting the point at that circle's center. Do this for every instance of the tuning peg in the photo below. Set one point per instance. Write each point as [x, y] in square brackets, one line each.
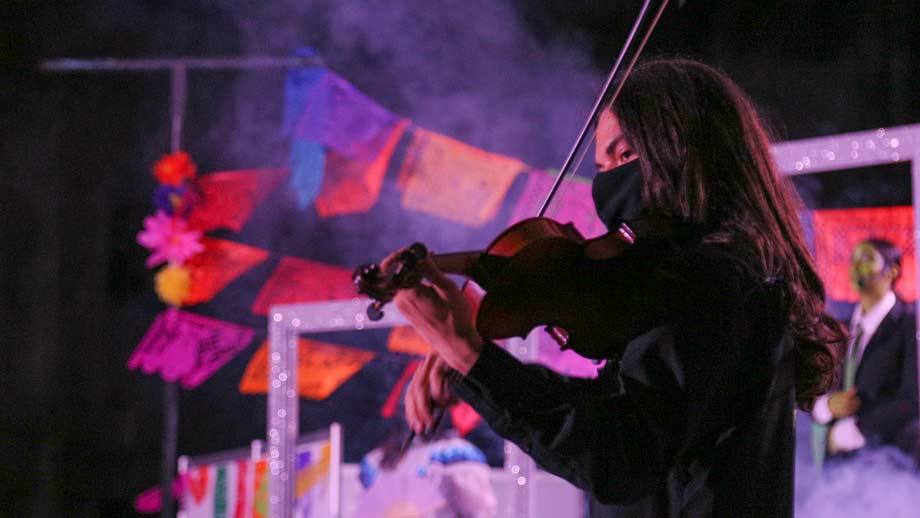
[375, 311]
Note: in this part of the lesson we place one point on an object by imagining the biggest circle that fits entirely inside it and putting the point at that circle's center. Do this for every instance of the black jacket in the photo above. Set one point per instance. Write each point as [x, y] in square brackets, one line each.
[886, 379]
[697, 417]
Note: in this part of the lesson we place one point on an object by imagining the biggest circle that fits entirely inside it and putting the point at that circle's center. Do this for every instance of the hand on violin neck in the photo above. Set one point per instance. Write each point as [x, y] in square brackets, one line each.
[442, 316]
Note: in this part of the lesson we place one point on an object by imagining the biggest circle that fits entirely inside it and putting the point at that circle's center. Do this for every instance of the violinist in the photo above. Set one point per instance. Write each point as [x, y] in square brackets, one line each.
[692, 414]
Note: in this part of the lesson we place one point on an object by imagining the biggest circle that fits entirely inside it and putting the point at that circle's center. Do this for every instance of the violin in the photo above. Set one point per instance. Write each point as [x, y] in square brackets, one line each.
[538, 272]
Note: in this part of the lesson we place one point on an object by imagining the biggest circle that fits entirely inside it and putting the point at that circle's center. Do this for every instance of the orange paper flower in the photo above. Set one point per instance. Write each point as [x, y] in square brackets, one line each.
[174, 169]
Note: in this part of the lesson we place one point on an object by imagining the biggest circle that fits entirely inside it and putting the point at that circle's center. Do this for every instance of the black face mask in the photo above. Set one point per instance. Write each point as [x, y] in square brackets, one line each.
[617, 194]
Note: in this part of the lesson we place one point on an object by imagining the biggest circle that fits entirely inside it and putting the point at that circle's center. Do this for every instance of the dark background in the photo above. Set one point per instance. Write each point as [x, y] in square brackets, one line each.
[79, 433]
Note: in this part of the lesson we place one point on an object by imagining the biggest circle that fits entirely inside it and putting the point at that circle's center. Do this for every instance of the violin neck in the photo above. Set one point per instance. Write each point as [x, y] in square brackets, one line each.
[481, 267]
[457, 263]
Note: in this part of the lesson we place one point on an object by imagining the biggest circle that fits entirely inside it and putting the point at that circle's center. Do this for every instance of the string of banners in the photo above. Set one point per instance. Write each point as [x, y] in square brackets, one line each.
[342, 145]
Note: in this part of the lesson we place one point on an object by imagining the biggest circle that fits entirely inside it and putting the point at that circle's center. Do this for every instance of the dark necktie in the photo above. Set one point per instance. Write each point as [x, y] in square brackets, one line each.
[849, 366]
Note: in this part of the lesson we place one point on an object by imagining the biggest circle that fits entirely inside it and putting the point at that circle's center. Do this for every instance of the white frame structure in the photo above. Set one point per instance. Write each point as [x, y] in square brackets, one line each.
[859, 149]
[287, 322]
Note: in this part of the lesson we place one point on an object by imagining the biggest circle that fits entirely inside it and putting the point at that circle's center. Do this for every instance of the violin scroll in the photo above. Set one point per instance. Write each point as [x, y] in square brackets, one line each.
[381, 286]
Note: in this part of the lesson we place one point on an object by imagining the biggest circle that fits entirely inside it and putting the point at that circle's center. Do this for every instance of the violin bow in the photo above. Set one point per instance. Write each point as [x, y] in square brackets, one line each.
[599, 103]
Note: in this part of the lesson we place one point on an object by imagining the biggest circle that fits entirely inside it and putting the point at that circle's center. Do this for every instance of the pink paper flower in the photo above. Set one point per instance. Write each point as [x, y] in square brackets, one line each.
[169, 239]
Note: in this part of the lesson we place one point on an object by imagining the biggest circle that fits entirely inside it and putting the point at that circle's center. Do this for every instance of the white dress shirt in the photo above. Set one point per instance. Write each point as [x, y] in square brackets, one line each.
[845, 434]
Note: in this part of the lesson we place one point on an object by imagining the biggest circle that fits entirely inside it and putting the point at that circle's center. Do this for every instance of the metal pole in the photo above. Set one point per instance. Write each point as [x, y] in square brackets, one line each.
[915, 200]
[117, 64]
[519, 466]
[178, 95]
[170, 436]
[335, 471]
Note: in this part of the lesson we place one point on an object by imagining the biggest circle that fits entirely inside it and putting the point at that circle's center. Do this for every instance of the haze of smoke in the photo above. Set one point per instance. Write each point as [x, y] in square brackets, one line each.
[882, 482]
[468, 69]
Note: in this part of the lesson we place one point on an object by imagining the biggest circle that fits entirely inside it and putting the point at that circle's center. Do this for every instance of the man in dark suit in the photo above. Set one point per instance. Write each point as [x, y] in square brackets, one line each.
[876, 399]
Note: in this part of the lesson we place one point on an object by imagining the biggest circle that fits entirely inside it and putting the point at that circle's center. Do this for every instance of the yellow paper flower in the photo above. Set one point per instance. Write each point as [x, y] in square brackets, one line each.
[172, 284]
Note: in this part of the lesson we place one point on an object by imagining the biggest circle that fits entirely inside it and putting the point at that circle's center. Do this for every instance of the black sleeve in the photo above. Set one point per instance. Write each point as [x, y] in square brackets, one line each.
[610, 440]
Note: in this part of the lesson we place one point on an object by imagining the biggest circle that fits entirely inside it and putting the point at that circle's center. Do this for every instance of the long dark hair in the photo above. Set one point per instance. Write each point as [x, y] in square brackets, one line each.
[705, 159]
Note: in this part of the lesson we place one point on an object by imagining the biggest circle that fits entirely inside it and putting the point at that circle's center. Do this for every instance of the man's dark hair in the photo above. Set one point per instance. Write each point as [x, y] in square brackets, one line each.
[890, 252]
[705, 159]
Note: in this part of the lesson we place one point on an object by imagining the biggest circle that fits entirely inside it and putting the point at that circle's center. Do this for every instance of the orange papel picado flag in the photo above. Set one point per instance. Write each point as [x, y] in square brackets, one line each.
[321, 368]
[404, 339]
[447, 178]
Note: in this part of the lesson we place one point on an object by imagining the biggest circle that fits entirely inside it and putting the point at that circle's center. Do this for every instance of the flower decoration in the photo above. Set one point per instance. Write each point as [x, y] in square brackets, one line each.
[175, 201]
[169, 238]
[174, 169]
[166, 233]
[173, 284]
